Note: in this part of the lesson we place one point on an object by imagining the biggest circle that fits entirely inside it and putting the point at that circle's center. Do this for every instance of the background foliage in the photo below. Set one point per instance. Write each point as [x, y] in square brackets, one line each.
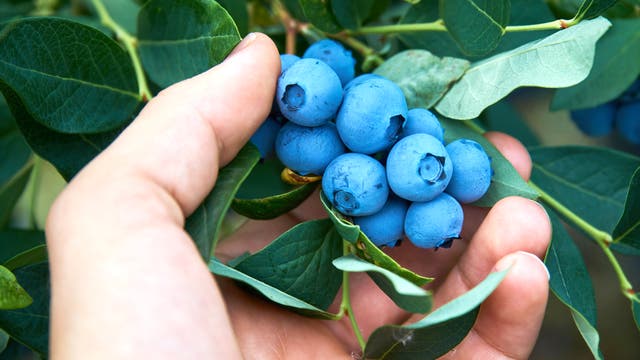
[74, 73]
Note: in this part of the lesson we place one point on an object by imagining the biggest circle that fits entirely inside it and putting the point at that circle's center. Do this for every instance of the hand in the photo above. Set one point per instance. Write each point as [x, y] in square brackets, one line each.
[128, 282]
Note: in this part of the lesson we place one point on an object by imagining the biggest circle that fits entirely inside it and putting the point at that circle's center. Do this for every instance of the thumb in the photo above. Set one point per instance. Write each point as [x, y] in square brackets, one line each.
[181, 138]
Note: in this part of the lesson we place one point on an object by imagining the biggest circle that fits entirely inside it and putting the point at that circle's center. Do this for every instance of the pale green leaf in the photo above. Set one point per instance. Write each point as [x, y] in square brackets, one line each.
[12, 295]
[559, 60]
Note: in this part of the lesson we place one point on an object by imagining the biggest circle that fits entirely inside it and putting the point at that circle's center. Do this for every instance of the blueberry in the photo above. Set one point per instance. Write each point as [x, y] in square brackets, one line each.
[335, 55]
[265, 137]
[471, 176]
[628, 121]
[434, 223]
[355, 184]
[308, 150]
[309, 93]
[360, 79]
[386, 226]
[418, 167]
[595, 121]
[422, 121]
[286, 60]
[371, 116]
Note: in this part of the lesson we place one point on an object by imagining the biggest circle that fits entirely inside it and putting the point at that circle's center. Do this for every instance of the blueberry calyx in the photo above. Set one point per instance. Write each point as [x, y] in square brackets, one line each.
[293, 97]
[431, 168]
[345, 200]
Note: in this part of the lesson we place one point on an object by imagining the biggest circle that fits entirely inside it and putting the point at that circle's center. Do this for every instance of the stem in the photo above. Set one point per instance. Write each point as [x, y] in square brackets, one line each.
[130, 43]
[602, 238]
[290, 24]
[439, 25]
[346, 302]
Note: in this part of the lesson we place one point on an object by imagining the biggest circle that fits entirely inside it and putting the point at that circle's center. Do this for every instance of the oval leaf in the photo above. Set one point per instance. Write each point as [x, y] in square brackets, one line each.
[571, 283]
[182, 38]
[16, 243]
[590, 9]
[11, 191]
[12, 295]
[404, 293]
[270, 292]
[352, 14]
[592, 182]
[505, 181]
[367, 250]
[11, 142]
[476, 25]
[263, 195]
[435, 334]
[30, 325]
[627, 231]
[615, 67]
[204, 224]
[422, 76]
[298, 262]
[559, 60]
[71, 78]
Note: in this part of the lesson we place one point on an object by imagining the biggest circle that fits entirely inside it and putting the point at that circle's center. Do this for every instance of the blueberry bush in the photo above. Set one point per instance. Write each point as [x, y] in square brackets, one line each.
[74, 74]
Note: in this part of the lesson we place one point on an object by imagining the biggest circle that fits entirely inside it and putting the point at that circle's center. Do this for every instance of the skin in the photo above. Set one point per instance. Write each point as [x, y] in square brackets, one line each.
[127, 281]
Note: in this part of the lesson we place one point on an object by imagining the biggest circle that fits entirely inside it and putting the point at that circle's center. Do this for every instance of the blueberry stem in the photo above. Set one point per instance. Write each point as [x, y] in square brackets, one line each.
[130, 43]
[602, 238]
[345, 306]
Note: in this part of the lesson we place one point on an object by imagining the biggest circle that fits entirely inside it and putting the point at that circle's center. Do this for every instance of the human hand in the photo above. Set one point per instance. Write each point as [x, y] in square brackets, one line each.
[127, 280]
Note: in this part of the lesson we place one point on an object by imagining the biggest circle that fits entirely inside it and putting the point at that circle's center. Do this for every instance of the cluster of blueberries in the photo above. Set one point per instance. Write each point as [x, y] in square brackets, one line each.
[383, 165]
[621, 114]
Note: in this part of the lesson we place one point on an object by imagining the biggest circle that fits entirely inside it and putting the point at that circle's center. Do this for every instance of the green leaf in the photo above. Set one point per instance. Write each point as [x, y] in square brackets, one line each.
[352, 14]
[367, 250]
[71, 78]
[523, 12]
[476, 25]
[204, 224]
[423, 77]
[67, 152]
[590, 9]
[264, 196]
[404, 293]
[16, 246]
[13, 9]
[270, 292]
[435, 334]
[318, 12]
[182, 38]
[11, 191]
[30, 325]
[559, 60]
[12, 295]
[502, 116]
[12, 143]
[238, 11]
[571, 283]
[592, 182]
[615, 67]
[627, 230]
[298, 262]
[505, 181]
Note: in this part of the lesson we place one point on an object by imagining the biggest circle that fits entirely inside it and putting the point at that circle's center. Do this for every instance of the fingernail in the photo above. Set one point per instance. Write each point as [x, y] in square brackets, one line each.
[250, 38]
[539, 261]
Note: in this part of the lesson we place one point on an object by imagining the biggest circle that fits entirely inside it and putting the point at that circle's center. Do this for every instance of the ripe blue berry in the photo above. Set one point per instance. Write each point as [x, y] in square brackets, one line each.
[309, 93]
[308, 150]
[265, 137]
[422, 121]
[434, 223]
[628, 121]
[386, 226]
[355, 184]
[471, 176]
[286, 60]
[596, 121]
[371, 116]
[418, 167]
[336, 56]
